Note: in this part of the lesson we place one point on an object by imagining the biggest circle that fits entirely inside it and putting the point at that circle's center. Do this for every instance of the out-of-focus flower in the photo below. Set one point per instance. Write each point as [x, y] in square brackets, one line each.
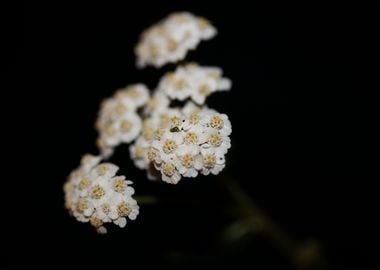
[118, 121]
[169, 40]
[193, 81]
[93, 193]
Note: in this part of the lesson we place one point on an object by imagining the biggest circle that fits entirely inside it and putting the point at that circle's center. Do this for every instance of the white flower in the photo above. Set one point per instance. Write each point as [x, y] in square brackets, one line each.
[171, 39]
[190, 161]
[183, 143]
[118, 121]
[94, 194]
[213, 161]
[193, 81]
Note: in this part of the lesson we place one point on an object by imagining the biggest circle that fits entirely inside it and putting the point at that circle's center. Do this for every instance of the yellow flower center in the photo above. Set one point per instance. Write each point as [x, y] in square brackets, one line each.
[216, 122]
[191, 138]
[84, 183]
[209, 161]
[194, 118]
[119, 185]
[123, 209]
[97, 192]
[187, 160]
[169, 146]
[215, 140]
[168, 169]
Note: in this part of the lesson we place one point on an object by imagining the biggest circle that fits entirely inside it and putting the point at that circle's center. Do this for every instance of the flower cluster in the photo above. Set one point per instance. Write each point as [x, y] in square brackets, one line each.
[193, 81]
[169, 142]
[183, 142]
[94, 194]
[171, 39]
[118, 121]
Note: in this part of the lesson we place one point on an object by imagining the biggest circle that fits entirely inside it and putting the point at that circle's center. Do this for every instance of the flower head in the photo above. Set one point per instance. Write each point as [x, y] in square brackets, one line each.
[169, 40]
[93, 193]
[118, 121]
[194, 82]
[184, 142]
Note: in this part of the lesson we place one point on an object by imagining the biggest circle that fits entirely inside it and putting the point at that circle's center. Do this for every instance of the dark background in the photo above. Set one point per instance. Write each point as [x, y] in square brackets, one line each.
[303, 135]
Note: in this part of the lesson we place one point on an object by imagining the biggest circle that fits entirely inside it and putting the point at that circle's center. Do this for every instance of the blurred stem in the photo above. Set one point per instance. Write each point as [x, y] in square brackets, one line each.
[146, 199]
[303, 256]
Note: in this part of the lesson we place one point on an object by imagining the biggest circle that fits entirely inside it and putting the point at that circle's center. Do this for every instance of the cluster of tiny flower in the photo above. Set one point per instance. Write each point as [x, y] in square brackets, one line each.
[94, 194]
[193, 81]
[183, 142]
[171, 39]
[173, 142]
[118, 121]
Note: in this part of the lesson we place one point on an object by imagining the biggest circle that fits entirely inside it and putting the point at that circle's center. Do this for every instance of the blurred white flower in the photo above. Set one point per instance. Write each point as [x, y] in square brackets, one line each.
[193, 81]
[94, 194]
[169, 40]
[118, 121]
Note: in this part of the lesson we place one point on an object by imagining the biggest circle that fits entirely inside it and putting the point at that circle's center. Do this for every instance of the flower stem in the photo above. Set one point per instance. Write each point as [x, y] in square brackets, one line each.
[304, 256]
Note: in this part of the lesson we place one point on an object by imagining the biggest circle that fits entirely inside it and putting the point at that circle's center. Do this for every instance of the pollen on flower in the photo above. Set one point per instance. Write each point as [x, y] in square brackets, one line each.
[82, 205]
[158, 133]
[97, 192]
[102, 169]
[175, 121]
[96, 222]
[187, 160]
[119, 185]
[168, 168]
[191, 138]
[84, 183]
[106, 208]
[216, 122]
[123, 209]
[209, 161]
[152, 154]
[194, 118]
[215, 140]
[169, 146]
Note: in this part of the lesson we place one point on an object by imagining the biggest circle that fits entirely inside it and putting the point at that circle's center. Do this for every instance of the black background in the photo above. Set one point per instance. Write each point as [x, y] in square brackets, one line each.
[303, 134]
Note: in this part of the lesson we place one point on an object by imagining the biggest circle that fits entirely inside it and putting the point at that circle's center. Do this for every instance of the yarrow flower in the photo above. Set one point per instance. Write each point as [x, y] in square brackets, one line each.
[193, 81]
[118, 121]
[169, 40]
[168, 142]
[94, 194]
[183, 142]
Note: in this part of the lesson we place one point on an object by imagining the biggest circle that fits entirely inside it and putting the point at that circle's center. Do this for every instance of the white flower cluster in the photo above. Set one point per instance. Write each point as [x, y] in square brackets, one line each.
[193, 81]
[118, 121]
[94, 194]
[171, 39]
[170, 143]
[183, 142]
